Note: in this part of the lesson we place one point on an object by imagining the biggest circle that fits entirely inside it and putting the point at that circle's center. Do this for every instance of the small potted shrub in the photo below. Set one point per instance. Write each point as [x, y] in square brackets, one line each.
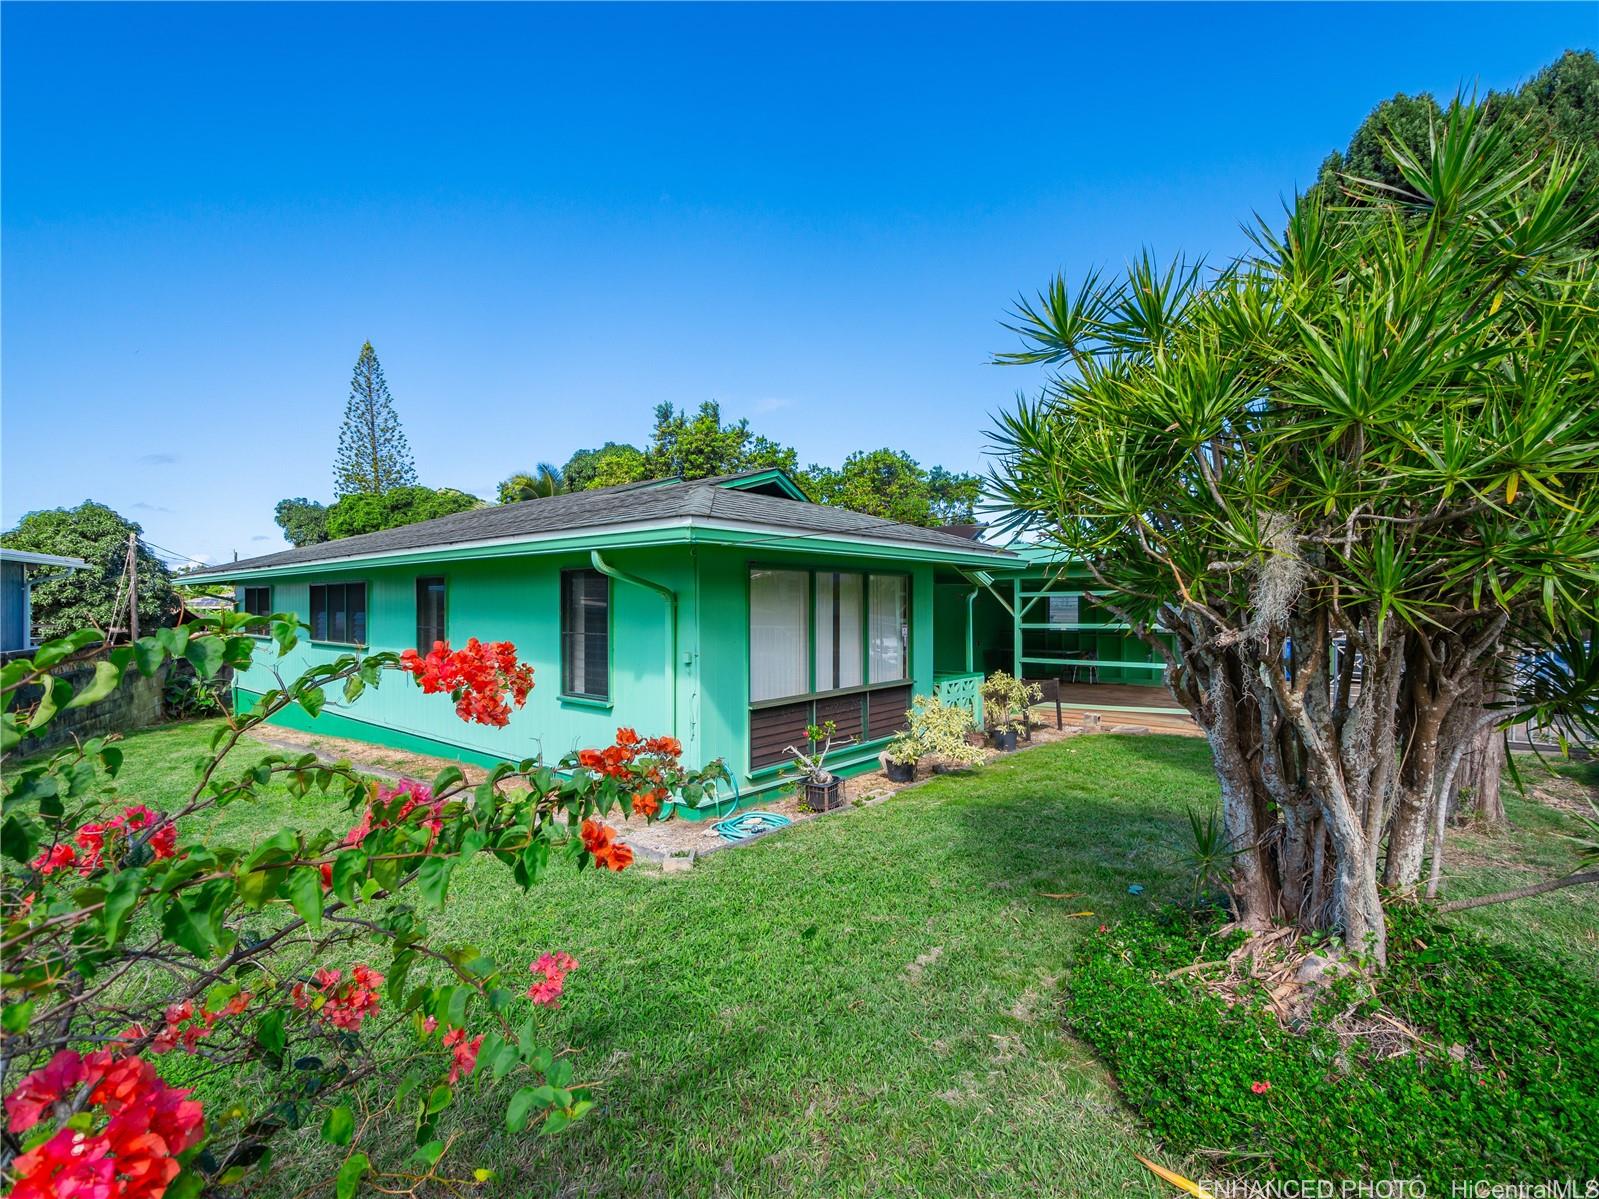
[900, 758]
[1006, 701]
[820, 789]
[941, 731]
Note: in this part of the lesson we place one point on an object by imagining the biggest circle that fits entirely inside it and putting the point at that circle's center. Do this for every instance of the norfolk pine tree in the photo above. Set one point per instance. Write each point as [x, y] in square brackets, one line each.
[374, 456]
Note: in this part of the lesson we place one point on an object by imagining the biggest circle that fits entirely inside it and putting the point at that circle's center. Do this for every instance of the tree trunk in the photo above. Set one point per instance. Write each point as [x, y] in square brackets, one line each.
[1483, 777]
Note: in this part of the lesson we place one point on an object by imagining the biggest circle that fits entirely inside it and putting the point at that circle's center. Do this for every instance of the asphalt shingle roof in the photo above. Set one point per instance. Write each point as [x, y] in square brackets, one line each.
[629, 503]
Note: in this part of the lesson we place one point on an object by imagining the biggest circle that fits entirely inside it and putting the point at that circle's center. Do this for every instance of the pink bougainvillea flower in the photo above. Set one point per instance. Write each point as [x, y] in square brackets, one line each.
[43, 1089]
[1260, 1088]
[463, 1052]
[546, 992]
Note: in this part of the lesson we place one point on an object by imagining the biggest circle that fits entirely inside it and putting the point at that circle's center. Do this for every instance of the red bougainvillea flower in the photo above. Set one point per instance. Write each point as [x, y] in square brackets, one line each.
[1260, 1088]
[463, 1052]
[96, 841]
[343, 1005]
[57, 857]
[478, 676]
[648, 803]
[133, 1156]
[600, 840]
[546, 992]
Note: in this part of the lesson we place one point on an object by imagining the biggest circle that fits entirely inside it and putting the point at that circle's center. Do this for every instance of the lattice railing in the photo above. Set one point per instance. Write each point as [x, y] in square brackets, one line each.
[961, 691]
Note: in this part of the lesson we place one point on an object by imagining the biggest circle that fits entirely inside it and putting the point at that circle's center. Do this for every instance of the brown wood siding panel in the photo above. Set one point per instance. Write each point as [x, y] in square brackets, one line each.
[886, 712]
[772, 730]
[847, 712]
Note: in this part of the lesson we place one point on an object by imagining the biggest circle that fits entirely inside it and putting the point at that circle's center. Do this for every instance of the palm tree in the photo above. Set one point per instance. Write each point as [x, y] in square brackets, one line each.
[544, 482]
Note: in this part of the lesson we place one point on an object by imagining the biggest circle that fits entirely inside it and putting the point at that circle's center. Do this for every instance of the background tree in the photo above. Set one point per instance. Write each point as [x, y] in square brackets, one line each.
[373, 453]
[623, 464]
[893, 485]
[544, 482]
[367, 513]
[584, 466]
[303, 521]
[1367, 448]
[1560, 102]
[96, 597]
[701, 446]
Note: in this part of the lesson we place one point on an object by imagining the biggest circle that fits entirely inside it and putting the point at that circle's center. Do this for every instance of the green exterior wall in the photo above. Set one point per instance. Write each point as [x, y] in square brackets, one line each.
[697, 690]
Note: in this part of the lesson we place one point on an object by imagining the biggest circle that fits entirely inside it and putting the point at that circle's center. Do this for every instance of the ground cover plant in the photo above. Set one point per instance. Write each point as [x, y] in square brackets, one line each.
[1465, 1059]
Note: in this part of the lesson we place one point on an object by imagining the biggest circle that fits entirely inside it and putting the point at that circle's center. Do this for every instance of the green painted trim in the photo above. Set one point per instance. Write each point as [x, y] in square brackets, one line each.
[808, 696]
[334, 724]
[776, 475]
[844, 756]
[586, 701]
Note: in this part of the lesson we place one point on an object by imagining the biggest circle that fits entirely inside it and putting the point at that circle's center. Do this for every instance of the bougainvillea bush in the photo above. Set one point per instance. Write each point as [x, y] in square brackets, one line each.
[141, 955]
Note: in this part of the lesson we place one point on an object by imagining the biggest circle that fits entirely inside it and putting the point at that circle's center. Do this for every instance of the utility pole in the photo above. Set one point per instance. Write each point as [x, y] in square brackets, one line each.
[133, 586]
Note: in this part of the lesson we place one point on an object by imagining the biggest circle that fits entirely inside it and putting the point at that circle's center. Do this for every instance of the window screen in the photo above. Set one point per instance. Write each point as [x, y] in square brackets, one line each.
[338, 613]
[585, 634]
[779, 634]
[429, 613]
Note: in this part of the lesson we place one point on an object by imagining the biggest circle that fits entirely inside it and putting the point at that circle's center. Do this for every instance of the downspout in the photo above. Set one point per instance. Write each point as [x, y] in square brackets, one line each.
[971, 598]
[605, 568]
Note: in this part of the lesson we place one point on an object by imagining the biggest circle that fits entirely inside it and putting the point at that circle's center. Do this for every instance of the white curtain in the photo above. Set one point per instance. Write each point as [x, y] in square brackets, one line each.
[888, 629]
[838, 605]
[779, 634]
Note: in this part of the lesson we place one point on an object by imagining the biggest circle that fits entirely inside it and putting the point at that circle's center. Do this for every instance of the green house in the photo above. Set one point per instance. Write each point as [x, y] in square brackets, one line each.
[728, 612]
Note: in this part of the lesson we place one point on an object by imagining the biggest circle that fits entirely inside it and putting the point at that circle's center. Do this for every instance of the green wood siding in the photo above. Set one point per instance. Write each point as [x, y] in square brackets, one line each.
[518, 599]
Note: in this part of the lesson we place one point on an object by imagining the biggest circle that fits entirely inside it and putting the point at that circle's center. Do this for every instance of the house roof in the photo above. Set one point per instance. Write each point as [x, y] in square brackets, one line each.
[28, 558]
[717, 503]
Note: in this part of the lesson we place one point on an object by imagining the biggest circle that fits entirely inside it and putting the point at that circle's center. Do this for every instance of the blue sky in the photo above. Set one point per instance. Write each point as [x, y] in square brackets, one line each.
[548, 219]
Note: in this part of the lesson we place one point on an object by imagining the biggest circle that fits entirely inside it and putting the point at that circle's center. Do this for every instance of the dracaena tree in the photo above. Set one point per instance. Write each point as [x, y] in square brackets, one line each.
[1337, 484]
[175, 1004]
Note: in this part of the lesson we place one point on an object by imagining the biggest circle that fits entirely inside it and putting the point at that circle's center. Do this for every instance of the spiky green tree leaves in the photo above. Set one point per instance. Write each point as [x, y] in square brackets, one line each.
[1338, 483]
[544, 482]
[374, 456]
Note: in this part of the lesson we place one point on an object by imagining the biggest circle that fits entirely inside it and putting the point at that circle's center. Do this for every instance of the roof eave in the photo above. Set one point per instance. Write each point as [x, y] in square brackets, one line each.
[676, 531]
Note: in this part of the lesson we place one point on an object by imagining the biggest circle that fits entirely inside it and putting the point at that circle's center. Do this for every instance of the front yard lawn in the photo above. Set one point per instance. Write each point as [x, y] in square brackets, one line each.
[869, 1003]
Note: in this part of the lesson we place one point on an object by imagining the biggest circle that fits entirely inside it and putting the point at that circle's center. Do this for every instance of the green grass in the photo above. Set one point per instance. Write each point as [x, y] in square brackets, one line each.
[865, 1004]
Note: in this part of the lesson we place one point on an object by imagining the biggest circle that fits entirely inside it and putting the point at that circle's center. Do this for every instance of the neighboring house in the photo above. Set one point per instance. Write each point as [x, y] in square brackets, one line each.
[19, 571]
[729, 613]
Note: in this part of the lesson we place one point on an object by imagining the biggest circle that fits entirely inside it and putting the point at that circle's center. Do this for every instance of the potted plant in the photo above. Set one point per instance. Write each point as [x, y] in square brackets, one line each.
[941, 731]
[821, 789]
[1006, 700]
[901, 756]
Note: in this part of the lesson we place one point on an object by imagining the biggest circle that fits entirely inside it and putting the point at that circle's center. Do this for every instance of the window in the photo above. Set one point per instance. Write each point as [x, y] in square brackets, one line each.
[839, 648]
[889, 631]
[257, 601]
[429, 613]
[338, 613]
[585, 634]
[855, 632]
[780, 622]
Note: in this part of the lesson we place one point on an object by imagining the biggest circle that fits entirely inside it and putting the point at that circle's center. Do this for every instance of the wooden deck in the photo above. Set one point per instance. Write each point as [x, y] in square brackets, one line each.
[1119, 704]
